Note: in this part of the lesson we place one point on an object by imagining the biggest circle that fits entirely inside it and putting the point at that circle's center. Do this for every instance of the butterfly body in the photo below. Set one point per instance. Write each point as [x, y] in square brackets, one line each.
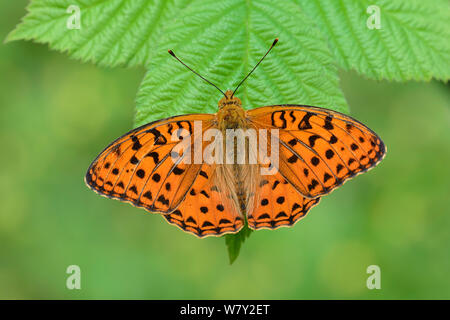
[237, 178]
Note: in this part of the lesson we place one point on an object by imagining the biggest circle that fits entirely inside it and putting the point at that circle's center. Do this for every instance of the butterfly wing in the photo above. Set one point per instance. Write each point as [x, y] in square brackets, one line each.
[139, 168]
[319, 149]
[278, 204]
[208, 209]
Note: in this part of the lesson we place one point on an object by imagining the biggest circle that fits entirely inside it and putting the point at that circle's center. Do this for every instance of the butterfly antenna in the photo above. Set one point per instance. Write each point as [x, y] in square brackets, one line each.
[273, 44]
[173, 55]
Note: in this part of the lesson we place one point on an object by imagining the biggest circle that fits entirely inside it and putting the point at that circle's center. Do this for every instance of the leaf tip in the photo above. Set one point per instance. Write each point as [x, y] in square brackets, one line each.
[11, 37]
[235, 241]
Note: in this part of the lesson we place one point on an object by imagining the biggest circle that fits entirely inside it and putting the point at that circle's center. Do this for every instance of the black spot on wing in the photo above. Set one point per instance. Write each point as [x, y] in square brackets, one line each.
[275, 184]
[133, 189]
[159, 138]
[295, 207]
[329, 154]
[140, 173]
[203, 192]
[326, 177]
[312, 140]
[207, 224]
[134, 160]
[315, 161]
[177, 213]
[263, 216]
[333, 139]
[191, 220]
[163, 200]
[292, 116]
[136, 143]
[304, 123]
[292, 142]
[328, 124]
[154, 155]
[313, 184]
[283, 124]
[224, 221]
[169, 131]
[148, 195]
[281, 214]
[292, 159]
[180, 126]
[177, 171]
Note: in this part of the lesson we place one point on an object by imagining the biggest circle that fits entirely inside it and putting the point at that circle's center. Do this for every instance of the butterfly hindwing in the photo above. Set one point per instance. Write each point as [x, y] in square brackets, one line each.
[207, 210]
[319, 149]
[278, 204]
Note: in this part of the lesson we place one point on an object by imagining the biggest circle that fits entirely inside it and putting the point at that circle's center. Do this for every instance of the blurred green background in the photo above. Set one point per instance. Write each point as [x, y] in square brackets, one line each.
[56, 114]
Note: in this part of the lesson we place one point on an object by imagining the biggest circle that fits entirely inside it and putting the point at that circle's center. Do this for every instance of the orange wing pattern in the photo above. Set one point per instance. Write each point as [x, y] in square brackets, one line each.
[138, 167]
[278, 204]
[319, 149]
[206, 210]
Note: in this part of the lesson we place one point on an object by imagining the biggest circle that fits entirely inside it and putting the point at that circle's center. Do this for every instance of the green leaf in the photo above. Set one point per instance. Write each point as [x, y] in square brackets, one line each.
[412, 44]
[235, 241]
[113, 32]
[223, 41]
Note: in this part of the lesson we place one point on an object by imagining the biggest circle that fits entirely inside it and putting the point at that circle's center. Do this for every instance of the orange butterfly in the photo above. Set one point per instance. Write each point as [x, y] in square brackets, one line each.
[316, 151]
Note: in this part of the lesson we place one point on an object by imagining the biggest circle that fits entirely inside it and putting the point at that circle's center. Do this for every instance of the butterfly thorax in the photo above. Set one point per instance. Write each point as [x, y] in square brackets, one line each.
[231, 115]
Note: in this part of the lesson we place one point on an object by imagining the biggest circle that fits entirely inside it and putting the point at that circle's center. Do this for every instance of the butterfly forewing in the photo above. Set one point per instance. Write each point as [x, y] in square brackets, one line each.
[139, 167]
[319, 148]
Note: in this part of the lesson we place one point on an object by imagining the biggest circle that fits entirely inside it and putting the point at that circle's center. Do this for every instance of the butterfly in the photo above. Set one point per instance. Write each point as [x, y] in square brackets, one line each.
[316, 150]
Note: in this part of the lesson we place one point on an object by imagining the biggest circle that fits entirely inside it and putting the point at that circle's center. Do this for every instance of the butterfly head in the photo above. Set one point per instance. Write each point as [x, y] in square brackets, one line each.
[229, 99]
